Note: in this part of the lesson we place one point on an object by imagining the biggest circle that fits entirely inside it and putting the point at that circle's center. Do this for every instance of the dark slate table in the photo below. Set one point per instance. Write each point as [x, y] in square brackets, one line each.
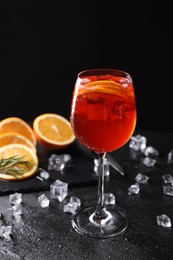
[47, 234]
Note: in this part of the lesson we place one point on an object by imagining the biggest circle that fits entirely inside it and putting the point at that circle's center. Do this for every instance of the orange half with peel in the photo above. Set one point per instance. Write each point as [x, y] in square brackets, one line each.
[53, 131]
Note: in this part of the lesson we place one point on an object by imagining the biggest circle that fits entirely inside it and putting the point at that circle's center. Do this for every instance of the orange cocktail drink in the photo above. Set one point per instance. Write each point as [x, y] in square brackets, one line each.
[104, 116]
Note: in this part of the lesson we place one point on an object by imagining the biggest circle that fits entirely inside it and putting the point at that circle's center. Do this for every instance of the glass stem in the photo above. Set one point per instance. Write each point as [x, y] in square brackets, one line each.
[100, 212]
[100, 216]
[100, 203]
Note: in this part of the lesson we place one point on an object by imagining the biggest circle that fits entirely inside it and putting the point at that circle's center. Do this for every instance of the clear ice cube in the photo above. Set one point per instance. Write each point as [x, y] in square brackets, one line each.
[109, 198]
[16, 210]
[170, 157]
[138, 142]
[59, 190]
[43, 174]
[134, 189]
[56, 162]
[70, 207]
[168, 178]
[43, 200]
[151, 151]
[164, 221]
[168, 190]
[141, 178]
[74, 199]
[73, 205]
[67, 158]
[15, 198]
[149, 162]
[5, 231]
[96, 109]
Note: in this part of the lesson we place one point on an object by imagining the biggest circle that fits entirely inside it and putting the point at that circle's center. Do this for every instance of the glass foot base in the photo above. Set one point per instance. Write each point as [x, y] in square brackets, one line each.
[115, 223]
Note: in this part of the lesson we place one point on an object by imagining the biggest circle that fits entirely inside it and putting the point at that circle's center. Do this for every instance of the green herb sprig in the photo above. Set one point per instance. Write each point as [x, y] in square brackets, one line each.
[12, 165]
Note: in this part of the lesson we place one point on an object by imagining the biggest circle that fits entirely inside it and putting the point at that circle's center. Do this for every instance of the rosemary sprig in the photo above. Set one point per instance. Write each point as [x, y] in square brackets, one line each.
[12, 165]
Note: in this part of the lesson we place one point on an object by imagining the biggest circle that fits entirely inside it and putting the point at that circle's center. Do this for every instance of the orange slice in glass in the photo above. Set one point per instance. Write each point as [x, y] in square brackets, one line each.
[106, 86]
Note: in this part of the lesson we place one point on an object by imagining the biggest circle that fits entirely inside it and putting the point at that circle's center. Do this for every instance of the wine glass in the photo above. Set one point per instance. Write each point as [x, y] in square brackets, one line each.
[103, 118]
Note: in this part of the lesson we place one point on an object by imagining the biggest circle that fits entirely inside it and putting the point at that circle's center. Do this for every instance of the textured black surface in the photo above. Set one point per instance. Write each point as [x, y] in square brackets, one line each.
[47, 233]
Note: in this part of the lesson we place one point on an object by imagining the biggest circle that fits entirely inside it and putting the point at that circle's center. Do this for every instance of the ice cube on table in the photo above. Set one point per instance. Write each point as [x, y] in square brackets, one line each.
[70, 207]
[43, 200]
[15, 198]
[74, 199]
[56, 162]
[73, 205]
[67, 157]
[59, 190]
[5, 231]
[43, 174]
[141, 178]
[109, 198]
[16, 210]
[149, 162]
[138, 142]
[151, 151]
[170, 157]
[134, 189]
[168, 178]
[168, 190]
[164, 221]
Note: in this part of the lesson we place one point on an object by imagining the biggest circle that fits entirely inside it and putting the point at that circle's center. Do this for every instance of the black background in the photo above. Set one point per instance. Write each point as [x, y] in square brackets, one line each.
[44, 44]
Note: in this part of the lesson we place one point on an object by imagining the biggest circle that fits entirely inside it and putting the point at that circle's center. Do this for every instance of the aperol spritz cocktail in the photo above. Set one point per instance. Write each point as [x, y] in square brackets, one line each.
[103, 117]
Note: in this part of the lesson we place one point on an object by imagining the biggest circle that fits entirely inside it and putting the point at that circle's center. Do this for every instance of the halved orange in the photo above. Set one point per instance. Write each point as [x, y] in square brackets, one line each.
[53, 131]
[15, 138]
[24, 152]
[18, 125]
